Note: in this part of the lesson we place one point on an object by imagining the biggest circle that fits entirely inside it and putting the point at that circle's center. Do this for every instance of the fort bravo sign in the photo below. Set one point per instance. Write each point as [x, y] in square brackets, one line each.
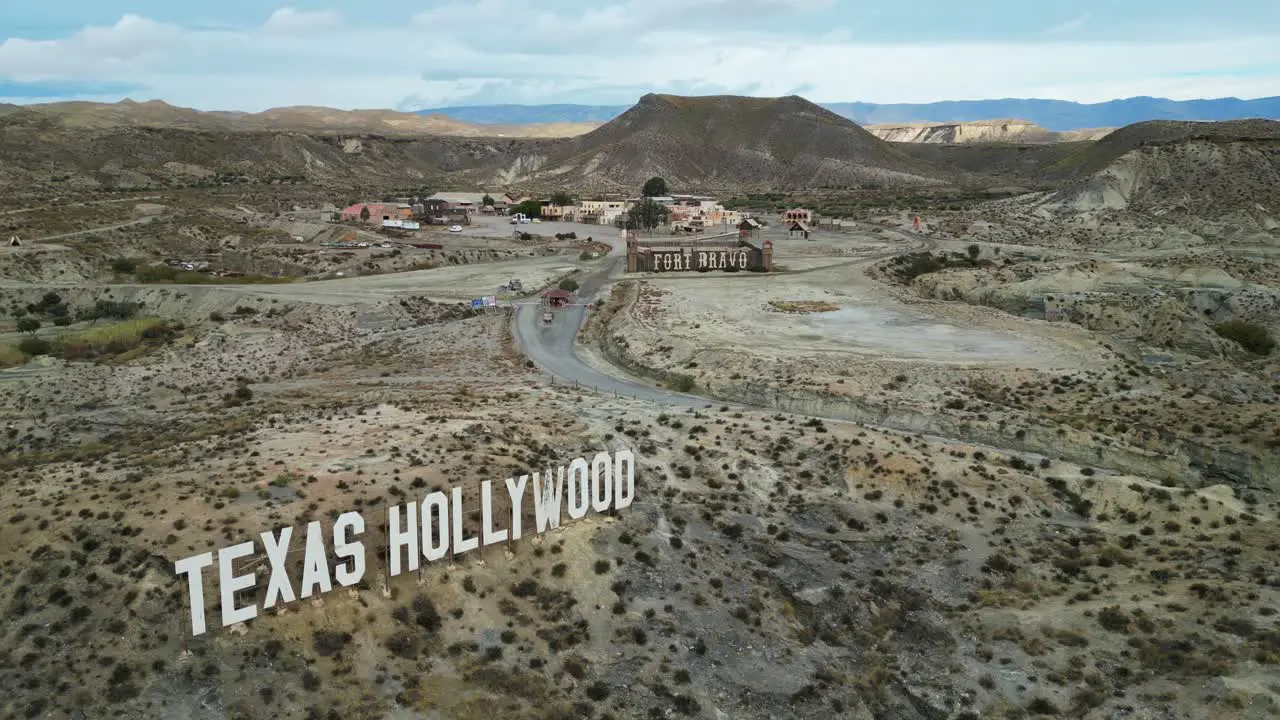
[729, 253]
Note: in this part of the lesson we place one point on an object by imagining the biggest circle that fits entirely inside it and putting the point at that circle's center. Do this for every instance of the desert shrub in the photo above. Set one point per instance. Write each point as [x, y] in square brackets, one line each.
[569, 285]
[403, 644]
[1253, 338]
[33, 346]
[329, 642]
[28, 325]
[114, 339]
[682, 383]
[425, 613]
[1040, 706]
[1113, 618]
[111, 310]
[124, 265]
[909, 267]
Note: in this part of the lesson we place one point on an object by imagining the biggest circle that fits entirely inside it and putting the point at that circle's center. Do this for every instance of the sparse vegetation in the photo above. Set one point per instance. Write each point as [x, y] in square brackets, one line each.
[1253, 338]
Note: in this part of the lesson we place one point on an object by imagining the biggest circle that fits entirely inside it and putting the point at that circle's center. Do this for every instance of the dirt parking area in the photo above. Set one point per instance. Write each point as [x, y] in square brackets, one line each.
[864, 322]
[501, 227]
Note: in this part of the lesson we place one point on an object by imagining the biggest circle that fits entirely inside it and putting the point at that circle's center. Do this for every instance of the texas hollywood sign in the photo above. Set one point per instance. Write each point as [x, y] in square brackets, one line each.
[416, 533]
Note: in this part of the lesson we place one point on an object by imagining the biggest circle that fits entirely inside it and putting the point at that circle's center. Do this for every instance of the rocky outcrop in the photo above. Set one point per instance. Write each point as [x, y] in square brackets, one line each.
[982, 131]
[1205, 177]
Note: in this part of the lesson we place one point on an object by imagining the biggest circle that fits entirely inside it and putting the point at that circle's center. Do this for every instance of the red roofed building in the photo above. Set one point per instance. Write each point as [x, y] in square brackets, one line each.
[797, 215]
[557, 298]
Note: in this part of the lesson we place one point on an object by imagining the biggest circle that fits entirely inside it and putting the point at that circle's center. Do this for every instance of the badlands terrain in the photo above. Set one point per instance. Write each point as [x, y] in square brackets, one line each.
[1018, 462]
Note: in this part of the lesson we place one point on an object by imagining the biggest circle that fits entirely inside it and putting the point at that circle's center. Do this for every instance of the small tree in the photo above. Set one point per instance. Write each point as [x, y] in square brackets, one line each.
[530, 208]
[28, 325]
[569, 285]
[561, 198]
[364, 213]
[654, 187]
[974, 251]
[648, 214]
[487, 200]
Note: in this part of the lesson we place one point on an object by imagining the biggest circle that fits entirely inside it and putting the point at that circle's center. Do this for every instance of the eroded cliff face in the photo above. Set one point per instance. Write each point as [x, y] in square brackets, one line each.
[1200, 177]
[984, 131]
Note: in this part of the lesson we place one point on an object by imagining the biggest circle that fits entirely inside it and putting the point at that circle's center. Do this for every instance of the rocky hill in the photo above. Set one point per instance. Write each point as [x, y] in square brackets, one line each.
[42, 153]
[732, 142]
[708, 143]
[983, 131]
[1055, 115]
[1157, 167]
[158, 114]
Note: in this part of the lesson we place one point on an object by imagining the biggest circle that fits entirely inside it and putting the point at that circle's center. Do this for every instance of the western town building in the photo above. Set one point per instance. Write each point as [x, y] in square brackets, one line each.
[797, 215]
[558, 297]
[601, 212]
[377, 212]
[470, 201]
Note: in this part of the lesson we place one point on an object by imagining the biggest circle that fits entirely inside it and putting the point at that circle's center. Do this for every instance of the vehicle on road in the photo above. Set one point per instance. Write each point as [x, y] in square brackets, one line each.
[455, 228]
[547, 318]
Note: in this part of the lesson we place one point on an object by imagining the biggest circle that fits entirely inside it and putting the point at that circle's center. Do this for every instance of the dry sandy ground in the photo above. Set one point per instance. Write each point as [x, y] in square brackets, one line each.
[455, 284]
[772, 566]
[712, 314]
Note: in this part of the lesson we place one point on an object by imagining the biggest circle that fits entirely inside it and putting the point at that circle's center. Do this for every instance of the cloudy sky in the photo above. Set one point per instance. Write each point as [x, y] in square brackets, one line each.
[413, 54]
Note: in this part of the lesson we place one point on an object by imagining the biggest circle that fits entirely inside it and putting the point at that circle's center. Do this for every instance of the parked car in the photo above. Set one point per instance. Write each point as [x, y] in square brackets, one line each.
[455, 228]
[546, 318]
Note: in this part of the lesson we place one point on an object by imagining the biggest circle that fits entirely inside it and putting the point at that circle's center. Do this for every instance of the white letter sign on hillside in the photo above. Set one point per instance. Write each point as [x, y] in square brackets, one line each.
[424, 531]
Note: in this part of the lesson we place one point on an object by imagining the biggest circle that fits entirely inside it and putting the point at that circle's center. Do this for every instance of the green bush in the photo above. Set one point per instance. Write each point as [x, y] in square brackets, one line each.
[569, 285]
[33, 346]
[124, 265]
[115, 339]
[1253, 338]
[682, 383]
[913, 265]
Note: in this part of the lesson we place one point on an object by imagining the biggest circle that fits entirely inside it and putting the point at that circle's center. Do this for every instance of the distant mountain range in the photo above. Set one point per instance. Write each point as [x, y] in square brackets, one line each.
[1056, 115]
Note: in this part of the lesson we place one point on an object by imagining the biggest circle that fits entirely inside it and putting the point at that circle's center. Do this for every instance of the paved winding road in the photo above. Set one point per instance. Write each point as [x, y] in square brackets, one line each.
[552, 347]
[553, 350]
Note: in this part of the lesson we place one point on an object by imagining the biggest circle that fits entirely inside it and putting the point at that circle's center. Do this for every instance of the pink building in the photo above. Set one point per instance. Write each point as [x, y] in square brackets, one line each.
[378, 212]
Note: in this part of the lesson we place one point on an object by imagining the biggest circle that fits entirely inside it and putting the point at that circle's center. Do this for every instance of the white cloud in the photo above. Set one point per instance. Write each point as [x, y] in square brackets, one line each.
[612, 54]
[1069, 26]
[131, 45]
[289, 21]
